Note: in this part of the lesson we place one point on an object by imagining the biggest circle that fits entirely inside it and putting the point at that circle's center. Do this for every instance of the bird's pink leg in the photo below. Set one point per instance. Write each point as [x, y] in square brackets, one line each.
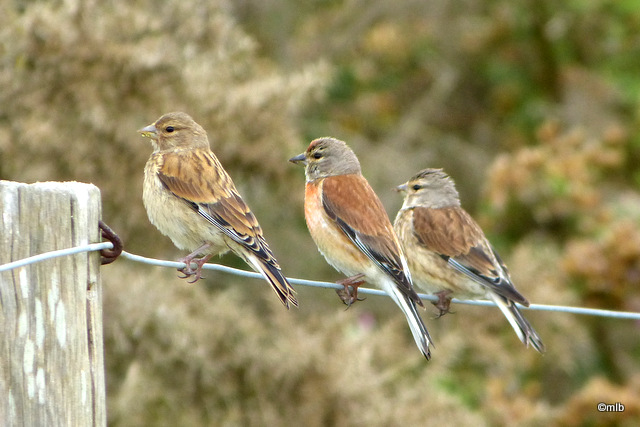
[443, 303]
[192, 258]
[345, 294]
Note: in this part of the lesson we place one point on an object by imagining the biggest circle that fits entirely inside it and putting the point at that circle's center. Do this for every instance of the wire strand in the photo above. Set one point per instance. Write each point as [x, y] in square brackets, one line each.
[303, 282]
[55, 254]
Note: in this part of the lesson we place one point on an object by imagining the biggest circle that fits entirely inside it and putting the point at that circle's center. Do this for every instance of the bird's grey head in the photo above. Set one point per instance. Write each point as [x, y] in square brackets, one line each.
[431, 188]
[328, 157]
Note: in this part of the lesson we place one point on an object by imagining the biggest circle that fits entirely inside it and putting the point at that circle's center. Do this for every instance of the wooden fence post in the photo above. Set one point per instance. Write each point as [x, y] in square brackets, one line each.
[51, 349]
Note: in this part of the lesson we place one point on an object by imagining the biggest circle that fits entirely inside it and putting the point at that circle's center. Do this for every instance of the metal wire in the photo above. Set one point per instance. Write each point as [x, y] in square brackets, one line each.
[303, 282]
[55, 254]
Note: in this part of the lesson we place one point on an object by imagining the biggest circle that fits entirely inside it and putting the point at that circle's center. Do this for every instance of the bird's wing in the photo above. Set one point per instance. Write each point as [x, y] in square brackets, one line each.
[197, 177]
[350, 201]
[454, 235]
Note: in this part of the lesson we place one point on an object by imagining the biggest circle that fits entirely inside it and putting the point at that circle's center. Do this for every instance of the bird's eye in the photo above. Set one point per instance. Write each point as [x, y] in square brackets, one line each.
[169, 129]
[317, 155]
[416, 187]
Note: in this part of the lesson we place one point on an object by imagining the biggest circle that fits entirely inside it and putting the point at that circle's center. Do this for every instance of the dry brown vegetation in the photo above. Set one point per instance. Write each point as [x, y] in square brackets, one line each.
[533, 110]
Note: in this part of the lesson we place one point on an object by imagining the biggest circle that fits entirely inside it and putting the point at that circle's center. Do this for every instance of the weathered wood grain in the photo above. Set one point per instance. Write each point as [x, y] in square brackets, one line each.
[51, 354]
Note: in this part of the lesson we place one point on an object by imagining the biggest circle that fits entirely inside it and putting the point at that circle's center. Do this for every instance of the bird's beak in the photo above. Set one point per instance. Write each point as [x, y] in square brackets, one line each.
[149, 131]
[401, 188]
[300, 158]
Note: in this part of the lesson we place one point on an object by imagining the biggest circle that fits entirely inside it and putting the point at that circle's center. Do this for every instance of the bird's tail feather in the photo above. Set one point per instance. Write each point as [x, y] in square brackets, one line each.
[276, 279]
[416, 325]
[523, 328]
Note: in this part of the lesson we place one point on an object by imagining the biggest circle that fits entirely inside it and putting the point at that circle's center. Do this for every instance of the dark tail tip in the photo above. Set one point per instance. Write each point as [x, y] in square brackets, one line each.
[280, 285]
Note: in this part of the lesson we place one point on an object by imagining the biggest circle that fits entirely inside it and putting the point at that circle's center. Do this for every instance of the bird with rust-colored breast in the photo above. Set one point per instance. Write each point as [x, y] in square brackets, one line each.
[191, 199]
[353, 232]
[449, 255]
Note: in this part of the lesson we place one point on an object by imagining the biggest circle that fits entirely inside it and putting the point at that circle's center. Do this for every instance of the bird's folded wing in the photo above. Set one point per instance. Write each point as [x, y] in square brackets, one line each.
[351, 203]
[198, 177]
[455, 236]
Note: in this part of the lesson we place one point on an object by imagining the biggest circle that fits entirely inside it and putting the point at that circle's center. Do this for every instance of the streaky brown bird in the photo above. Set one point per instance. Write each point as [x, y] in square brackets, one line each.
[191, 199]
[353, 232]
[449, 255]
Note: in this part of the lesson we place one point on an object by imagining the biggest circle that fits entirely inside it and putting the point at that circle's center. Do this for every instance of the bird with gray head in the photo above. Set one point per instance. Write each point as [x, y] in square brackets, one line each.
[352, 230]
[448, 253]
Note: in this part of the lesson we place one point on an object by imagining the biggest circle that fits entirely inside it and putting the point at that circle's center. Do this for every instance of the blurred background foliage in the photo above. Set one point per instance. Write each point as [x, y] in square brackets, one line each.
[532, 107]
